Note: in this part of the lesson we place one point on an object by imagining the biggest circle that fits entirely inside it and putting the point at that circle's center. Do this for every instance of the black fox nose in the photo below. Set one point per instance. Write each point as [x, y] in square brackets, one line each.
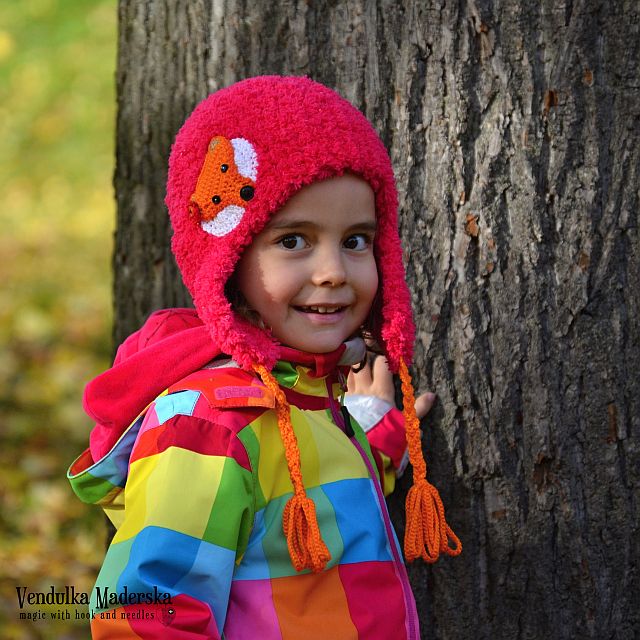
[246, 193]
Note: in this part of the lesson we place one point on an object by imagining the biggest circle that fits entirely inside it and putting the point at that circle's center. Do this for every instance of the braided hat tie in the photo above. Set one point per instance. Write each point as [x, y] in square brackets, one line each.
[299, 522]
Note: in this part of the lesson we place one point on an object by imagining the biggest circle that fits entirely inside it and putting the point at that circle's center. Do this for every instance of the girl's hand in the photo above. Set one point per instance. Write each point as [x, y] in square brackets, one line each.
[377, 380]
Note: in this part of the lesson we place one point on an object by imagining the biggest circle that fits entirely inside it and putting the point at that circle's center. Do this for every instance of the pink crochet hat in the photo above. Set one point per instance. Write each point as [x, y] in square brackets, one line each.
[242, 153]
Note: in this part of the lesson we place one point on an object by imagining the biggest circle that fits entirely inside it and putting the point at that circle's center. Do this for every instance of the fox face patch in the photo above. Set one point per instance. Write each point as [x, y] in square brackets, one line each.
[225, 184]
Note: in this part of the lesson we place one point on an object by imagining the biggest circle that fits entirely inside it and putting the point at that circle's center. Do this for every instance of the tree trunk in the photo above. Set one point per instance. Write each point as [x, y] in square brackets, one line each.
[513, 129]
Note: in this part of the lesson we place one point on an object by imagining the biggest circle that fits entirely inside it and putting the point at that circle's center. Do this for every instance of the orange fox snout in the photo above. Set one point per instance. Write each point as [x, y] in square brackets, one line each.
[225, 184]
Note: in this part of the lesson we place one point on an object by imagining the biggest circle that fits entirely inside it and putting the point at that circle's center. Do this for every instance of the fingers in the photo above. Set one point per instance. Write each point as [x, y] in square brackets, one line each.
[424, 403]
[352, 382]
[376, 380]
[373, 380]
[383, 380]
[360, 382]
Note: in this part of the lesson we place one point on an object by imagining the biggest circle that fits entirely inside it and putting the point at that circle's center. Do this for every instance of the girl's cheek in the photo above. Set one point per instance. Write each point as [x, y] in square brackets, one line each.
[373, 280]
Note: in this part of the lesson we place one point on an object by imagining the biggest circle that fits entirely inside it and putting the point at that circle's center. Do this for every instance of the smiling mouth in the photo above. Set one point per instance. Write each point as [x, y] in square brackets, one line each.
[320, 309]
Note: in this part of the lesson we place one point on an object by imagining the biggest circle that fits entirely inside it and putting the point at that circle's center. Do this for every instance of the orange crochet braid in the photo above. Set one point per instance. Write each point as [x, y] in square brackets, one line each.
[299, 522]
[427, 533]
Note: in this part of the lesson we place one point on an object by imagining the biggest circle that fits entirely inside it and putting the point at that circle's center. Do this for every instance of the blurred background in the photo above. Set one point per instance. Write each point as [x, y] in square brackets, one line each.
[57, 114]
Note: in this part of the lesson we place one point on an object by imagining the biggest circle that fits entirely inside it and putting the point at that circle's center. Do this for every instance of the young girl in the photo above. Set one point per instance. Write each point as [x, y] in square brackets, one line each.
[248, 503]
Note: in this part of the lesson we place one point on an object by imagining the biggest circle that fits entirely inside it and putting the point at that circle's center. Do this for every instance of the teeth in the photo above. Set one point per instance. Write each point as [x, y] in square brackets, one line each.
[317, 309]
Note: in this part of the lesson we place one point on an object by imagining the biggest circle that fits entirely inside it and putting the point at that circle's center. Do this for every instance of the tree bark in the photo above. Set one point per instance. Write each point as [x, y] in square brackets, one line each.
[513, 129]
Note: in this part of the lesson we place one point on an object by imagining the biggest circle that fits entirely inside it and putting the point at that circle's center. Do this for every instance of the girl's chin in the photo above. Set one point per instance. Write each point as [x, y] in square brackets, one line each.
[313, 347]
[315, 343]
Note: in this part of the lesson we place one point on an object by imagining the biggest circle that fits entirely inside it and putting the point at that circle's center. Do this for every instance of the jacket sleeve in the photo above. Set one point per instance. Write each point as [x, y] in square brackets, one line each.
[188, 512]
[383, 425]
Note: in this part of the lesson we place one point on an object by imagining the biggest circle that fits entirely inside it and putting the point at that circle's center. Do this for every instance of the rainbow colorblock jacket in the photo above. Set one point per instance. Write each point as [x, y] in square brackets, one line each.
[195, 487]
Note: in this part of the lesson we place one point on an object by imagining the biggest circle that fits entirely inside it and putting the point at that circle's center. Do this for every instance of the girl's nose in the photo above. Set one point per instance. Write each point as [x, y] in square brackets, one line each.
[329, 269]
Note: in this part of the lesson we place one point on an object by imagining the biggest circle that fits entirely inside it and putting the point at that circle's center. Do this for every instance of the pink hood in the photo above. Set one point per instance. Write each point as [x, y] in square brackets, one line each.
[171, 344]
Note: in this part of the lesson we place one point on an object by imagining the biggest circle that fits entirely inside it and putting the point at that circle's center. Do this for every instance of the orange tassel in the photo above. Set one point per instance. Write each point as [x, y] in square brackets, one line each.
[299, 521]
[427, 533]
[300, 524]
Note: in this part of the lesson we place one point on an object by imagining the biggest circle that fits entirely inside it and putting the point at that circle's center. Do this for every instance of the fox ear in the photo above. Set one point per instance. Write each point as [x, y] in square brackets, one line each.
[214, 143]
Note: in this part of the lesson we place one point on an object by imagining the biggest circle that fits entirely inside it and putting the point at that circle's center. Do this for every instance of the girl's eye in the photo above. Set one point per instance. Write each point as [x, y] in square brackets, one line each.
[292, 242]
[357, 242]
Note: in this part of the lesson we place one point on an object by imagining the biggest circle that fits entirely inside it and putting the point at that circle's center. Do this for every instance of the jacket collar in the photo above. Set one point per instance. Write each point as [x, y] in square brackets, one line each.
[320, 365]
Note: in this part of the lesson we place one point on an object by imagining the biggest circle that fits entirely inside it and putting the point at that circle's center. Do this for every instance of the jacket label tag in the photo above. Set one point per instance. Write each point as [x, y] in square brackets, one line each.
[222, 393]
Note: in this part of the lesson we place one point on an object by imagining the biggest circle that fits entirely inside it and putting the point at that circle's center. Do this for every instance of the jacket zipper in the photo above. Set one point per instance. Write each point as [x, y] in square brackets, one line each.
[401, 570]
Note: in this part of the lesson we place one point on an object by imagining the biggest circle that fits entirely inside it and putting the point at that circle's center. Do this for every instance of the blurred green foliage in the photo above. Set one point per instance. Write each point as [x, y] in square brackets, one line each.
[57, 115]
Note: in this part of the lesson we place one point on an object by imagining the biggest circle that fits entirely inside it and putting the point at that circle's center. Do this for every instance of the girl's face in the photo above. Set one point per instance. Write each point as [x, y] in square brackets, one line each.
[311, 274]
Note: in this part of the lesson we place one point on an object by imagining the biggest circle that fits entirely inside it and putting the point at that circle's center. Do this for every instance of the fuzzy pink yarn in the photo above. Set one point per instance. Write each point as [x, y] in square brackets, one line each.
[301, 132]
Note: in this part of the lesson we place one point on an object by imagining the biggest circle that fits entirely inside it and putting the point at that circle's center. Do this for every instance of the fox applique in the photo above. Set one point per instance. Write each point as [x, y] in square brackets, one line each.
[225, 184]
